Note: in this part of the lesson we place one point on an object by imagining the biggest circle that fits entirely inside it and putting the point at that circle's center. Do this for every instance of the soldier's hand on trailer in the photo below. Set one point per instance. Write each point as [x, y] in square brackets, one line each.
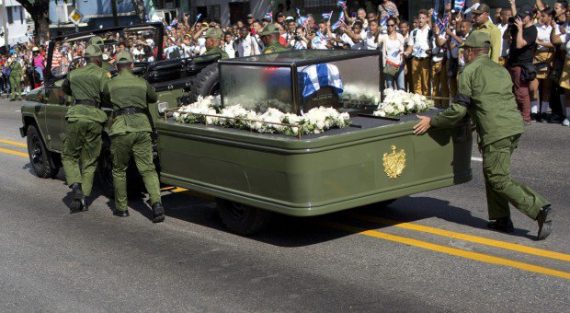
[423, 125]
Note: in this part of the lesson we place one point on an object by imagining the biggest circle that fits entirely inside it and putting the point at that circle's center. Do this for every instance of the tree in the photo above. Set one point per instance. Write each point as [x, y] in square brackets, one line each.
[39, 10]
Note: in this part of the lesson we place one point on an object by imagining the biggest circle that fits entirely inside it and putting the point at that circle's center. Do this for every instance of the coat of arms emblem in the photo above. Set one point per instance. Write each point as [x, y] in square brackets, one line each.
[394, 162]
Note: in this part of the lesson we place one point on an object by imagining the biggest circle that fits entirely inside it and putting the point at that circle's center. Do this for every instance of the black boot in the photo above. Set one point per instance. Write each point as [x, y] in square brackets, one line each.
[544, 220]
[503, 224]
[157, 213]
[121, 213]
[77, 199]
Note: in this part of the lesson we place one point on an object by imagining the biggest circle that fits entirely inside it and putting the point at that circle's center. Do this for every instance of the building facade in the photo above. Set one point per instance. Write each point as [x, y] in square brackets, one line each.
[13, 23]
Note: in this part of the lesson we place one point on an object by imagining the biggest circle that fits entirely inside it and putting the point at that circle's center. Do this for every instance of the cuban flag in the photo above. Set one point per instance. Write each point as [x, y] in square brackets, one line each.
[341, 4]
[339, 22]
[384, 20]
[314, 77]
[198, 17]
[459, 5]
[301, 20]
[327, 16]
[269, 16]
[442, 24]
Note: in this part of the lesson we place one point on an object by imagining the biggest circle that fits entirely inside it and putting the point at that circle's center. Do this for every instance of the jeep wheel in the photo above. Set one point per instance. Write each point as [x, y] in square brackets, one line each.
[206, 83]
[40, 157]
[242, 219]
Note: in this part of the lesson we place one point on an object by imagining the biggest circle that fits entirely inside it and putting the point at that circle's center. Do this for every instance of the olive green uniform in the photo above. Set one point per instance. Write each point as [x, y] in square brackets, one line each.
[217, 51]
[82, 143]
[274, 48]
[15, 80]
[131, 134]
[485, 93]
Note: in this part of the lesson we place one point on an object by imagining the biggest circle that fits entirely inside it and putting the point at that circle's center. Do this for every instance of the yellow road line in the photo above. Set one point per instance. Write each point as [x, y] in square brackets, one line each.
[13, 143]
[484, 258]
[13, 152]
[471, 238]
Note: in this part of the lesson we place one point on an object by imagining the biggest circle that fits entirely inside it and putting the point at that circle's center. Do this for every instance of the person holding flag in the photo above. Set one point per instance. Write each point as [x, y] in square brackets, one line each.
[388, 9]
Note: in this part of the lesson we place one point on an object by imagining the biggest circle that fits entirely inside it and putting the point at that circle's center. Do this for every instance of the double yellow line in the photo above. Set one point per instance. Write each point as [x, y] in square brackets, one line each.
[476, 256]
[14, 144]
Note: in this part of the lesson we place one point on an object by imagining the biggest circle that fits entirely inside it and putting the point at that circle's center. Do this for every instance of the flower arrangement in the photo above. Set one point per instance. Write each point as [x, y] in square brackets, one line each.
[207, 111]
[398, 103]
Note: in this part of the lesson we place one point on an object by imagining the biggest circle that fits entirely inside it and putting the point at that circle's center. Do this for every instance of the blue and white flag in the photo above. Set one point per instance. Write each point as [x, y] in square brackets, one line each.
[327, 16]
[339, 22]
[198, 17]
[269, 16]
[341, 4]
[384, 20]
[459, 5]
[315, 77]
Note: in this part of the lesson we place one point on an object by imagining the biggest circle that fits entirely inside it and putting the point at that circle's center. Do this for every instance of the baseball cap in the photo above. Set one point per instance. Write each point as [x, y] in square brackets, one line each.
[92, 51]
[477, 39]
[524, 11]
[124, 57]
[289, 18]
[269, 29]
[483, 8]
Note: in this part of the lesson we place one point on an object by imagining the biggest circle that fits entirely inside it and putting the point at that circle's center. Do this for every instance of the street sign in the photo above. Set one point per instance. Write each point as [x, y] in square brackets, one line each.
[75, 16]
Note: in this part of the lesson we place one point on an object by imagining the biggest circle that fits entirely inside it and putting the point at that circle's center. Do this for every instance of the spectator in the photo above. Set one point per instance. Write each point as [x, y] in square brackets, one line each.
[484, 23]
[393, 52]
[561, 36]
[503, 25]
[229, 46]
[440, 88]
[523, 46]
[420, 46]
[247, 44]
[543, 62]
[388, 8]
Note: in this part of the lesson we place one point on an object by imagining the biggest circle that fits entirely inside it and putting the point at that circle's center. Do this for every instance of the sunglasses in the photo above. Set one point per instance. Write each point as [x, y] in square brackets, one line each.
[391, 25]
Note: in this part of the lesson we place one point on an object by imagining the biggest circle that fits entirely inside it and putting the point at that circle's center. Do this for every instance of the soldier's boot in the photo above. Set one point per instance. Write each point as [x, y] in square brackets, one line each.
[157, 212]
[503, 224]
[544, 220]
[121, 213]
[77, 199]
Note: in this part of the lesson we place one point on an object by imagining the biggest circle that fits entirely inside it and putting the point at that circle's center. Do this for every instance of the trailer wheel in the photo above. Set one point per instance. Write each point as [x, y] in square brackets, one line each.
[206, 83]
[40, 157]
[242, 219]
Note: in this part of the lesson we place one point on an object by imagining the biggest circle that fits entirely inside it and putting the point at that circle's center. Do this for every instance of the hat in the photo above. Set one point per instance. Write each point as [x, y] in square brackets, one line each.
[124, 57]
[280, 14]
[214, 33]
[289, 18]
[477, 39]
[524, 11]
[35, 49]
[482, 8]
[96, 40]
[93, 51]
[269, 29]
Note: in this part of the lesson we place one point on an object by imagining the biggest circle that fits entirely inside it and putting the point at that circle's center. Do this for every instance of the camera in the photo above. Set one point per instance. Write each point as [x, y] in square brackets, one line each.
[511, 20]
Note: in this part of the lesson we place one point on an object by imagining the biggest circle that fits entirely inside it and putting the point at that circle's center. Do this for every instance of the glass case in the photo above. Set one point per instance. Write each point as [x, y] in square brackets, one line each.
[296, 81]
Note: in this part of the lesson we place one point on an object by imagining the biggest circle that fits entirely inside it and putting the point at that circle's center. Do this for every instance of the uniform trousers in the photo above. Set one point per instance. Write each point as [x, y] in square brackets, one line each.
[501, 188]
[82, 145]
[139, 146]
[15, 86]
[420, 76]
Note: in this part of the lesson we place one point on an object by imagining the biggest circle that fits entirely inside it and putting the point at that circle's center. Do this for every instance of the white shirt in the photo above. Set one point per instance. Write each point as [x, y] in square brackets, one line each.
[393, 48]
[229, 49]
[566, 44]
[369, 40]
[248, 46]
[320, 41]
[505, 45]
[420, 42]
[544, 35]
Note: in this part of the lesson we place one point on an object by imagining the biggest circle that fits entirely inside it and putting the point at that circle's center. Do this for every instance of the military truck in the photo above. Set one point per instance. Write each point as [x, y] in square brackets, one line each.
[252, 174]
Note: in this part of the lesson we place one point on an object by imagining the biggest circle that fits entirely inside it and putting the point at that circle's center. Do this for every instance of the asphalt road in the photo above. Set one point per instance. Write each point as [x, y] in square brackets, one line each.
[429, 252]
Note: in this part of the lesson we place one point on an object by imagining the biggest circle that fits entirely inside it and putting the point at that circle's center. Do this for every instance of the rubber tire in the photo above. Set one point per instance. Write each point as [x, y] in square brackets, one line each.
[242, 219]
[40, 157]
[206, 83]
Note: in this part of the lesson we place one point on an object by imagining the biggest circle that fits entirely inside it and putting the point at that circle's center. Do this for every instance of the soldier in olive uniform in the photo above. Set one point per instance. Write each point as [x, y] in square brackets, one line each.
[213, 39]
[98, 41]
[131, 135]
[485, 93]
[16, 72]
[85, 119]
[270, 37]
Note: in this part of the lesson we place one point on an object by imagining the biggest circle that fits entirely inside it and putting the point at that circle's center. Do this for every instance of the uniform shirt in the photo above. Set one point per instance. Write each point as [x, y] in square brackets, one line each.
[419, 40]
[565, 44]
[274, 47]
[127, 90]
[495, 35]
[543, 34]
[86, 83]
[369, 40]
[218, 51]
[485, 93]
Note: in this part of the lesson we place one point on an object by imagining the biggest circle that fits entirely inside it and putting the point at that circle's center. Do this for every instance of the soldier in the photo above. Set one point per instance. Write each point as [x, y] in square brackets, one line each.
[485, 93]
[270, 37]
[16, 72]
[213, 38]
[82, 143]
[98, 41]
[131, 135]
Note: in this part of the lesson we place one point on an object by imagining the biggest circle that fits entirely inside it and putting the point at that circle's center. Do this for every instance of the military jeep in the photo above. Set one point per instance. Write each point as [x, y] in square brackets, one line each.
[251, 174]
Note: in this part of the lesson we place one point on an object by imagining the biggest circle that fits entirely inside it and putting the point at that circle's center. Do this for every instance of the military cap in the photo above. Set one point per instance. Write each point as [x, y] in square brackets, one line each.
[269, 29]
[477, 39]
[93, 51]
[96, 40]
[482, 8]
[124, 57]
[214, 33]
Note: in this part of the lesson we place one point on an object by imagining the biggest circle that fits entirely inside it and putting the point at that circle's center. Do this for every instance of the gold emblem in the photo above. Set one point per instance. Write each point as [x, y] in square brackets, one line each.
[394, 162]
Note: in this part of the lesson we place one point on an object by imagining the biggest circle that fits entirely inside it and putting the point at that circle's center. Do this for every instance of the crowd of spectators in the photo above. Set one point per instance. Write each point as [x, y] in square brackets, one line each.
[32, 61]
[422, 55]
